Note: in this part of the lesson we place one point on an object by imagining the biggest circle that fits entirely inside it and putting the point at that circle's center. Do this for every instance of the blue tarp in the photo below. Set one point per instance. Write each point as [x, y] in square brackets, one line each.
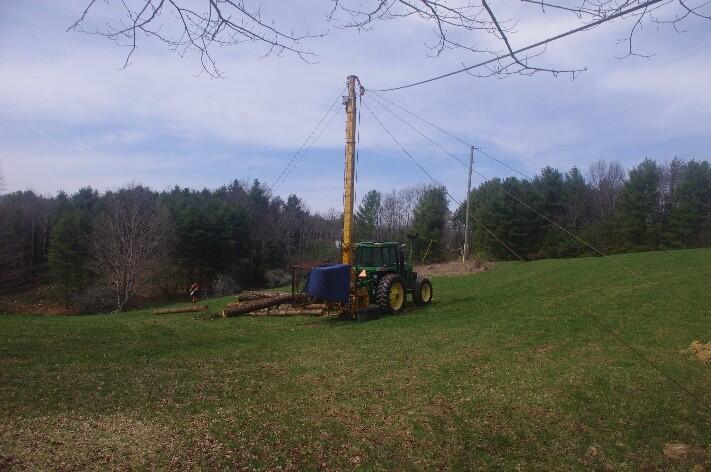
[329, 282]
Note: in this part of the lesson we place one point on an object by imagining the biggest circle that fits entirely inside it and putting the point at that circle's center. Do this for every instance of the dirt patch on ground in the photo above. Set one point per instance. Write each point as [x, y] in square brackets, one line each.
[36, 300]
[453, 268]
[439, 406]
[686, 452]
[701, 351]
[71, 442]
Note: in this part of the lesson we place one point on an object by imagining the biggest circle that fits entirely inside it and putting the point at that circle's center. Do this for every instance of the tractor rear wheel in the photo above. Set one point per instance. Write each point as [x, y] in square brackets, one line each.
[391, 294]
[422, 292]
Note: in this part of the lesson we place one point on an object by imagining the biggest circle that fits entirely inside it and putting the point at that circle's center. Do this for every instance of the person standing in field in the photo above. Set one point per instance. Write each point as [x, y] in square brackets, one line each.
[194, 289]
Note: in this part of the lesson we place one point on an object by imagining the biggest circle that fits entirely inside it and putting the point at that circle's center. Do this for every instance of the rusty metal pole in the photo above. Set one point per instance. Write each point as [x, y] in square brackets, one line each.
[293, 280]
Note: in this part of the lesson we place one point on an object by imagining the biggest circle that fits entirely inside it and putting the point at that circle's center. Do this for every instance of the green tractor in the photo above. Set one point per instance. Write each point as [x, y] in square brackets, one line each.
[384, 275]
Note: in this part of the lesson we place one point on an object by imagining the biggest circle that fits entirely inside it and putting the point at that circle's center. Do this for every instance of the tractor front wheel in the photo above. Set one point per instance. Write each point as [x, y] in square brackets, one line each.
[391, 294]
[422, 292]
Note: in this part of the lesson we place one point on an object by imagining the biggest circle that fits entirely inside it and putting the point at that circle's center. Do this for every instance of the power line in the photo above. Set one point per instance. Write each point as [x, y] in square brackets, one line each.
[544, 42]
[648, 361]
[308, 148]
[501, 188]
[438, 128]
[436, 182]
[444, 131]
[408, 153]
[578, 238]
[596, 319]
[499, 161]
[431, 141]
[303, 145]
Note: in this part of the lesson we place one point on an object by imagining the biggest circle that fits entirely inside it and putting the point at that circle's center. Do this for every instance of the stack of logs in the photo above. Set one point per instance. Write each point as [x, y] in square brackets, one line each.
[273, 304]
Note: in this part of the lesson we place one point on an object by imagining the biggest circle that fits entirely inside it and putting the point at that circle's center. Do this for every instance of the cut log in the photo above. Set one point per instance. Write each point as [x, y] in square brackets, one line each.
[316, 306]
[248, 307]
[252, 295]
[295, 312]
[180, 309]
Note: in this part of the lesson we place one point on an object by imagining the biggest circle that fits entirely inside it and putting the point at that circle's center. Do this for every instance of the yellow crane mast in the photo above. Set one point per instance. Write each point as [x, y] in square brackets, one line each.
[349, 173]
[358, 298]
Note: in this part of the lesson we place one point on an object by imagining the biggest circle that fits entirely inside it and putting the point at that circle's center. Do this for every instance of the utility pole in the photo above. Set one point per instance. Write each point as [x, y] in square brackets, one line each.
[348, 184]
[465, 253]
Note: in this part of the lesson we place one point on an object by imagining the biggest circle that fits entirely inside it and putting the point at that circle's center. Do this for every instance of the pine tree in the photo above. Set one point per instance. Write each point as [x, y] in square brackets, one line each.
[68, 254]
[367, 217]
[259, 196]
[545, 238]
[639, 208]
[293, 219]
[690, 216]
[571, 213]
[429, 223]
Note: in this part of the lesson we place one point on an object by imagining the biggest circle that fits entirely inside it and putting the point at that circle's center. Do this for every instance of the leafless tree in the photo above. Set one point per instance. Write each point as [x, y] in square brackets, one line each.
[129, 241]
[397, 210]
[2, 181]
[672, 173]
[465, 25]
[606, 180]
[25, 223]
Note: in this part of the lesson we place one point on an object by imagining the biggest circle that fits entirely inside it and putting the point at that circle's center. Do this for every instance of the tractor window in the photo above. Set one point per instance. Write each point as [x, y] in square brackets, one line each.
[369, 257]
[389, 256]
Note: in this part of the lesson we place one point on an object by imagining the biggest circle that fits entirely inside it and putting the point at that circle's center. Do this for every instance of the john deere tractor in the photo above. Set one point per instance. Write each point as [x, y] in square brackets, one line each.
[382, 271]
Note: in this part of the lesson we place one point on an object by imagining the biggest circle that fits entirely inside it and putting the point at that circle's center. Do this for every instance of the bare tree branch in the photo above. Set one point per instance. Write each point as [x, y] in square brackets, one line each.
[525, 67]
[475, 20]
[187, 28]
[201, 26]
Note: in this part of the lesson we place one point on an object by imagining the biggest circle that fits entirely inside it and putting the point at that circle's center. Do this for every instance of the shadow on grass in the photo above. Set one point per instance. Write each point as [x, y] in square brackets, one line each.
[369, 315]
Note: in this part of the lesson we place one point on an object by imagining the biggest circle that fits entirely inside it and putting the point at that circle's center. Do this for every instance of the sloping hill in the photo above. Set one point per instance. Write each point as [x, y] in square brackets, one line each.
[559, 364]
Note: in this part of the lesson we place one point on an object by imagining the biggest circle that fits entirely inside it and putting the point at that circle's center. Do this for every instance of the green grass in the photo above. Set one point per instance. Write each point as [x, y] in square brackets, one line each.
[506, 369]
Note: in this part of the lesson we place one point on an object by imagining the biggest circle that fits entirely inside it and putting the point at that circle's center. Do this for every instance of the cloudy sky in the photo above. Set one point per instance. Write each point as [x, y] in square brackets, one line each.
[71, 116]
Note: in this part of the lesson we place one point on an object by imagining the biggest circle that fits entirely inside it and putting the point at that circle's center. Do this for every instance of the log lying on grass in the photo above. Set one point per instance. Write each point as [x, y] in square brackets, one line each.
[235, 309]
[249, 295]
[294, 312]
[180, 309]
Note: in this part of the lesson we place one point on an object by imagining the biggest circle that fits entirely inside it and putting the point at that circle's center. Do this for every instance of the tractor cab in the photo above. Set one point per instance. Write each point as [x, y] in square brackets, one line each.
[382, 271]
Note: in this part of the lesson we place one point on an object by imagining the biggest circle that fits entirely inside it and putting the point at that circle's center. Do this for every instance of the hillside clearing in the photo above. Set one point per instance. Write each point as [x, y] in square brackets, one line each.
[505, 369]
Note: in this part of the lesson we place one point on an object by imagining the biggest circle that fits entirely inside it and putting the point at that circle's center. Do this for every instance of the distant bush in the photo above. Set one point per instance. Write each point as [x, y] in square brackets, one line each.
[225, 285]
[95, 299]
[277, 278]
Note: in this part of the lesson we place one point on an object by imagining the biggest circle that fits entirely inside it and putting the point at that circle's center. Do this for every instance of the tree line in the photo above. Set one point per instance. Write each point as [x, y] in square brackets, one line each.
[98, 249]
[651, 207]
[107, 250]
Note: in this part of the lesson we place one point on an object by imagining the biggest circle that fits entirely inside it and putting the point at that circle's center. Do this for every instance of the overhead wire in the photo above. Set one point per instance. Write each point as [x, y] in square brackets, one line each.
[512, 54]
[500, 186]
[436, 182]
[498, 161]
[592, 316]
[357, 148]
[303, 148]
[430, 140]
[308, 148]
[444, 131]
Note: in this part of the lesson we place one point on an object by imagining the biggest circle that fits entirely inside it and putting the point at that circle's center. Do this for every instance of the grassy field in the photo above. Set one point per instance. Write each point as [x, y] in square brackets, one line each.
[506, 370]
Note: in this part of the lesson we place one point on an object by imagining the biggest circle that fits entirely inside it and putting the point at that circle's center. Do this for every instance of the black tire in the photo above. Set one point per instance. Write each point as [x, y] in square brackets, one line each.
[422, 292]
[385, 296]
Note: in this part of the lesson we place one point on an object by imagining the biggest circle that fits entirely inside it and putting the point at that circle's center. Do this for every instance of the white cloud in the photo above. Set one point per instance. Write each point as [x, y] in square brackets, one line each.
[88, 122]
